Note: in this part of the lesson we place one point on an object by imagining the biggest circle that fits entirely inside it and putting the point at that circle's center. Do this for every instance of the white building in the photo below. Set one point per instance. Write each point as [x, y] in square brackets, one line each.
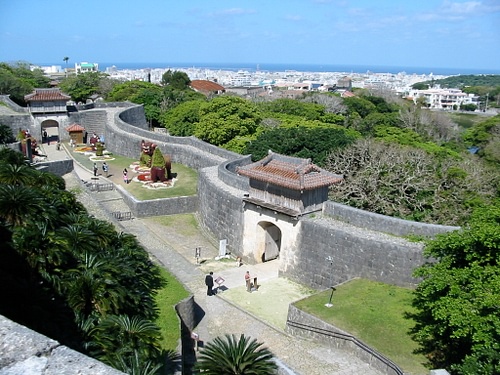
[443, 98]
[86, 67]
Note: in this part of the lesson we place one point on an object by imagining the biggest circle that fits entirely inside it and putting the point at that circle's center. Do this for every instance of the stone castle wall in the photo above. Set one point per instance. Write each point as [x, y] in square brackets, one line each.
[360, 244]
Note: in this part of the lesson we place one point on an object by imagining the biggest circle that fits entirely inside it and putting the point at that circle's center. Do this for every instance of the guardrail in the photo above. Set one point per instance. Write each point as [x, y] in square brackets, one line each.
[342, 336]
[121, 216]
[94, 186]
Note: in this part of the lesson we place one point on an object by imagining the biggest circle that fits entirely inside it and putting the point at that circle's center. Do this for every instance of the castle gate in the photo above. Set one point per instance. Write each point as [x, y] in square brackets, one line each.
[267, 234]
[272, 240]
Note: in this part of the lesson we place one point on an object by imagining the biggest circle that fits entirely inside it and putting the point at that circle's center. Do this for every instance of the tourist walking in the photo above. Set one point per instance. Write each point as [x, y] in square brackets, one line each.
[95, 169]
[44, 136]
[125, 175]
[209, 282]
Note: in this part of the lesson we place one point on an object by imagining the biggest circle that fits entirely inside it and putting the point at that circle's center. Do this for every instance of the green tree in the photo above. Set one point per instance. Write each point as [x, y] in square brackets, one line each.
[66, 59]
[128, 91]
[420, 86]
[181, 120]
[82, 86]
[305, 142]
[457, 302]
[359, 105]
[226, 117]
[18, 80]
[60, 265]
[232, 356]
[176, 79]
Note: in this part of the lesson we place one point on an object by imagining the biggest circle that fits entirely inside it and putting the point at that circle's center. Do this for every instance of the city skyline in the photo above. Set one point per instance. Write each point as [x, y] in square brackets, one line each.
[441, 34]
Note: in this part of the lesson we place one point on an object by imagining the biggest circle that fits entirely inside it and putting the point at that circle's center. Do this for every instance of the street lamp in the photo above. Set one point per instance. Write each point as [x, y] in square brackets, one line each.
[330, 259]
[329, 304]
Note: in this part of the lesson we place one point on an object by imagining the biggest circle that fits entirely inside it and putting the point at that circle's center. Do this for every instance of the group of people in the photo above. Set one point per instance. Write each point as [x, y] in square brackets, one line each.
[105, 169]
[250, 282]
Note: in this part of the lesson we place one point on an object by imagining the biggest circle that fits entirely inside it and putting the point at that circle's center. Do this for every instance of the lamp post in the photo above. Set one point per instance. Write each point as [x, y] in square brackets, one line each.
[329, 304]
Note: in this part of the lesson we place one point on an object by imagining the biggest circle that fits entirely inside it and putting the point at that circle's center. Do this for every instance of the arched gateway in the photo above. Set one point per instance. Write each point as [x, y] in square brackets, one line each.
[282, 189]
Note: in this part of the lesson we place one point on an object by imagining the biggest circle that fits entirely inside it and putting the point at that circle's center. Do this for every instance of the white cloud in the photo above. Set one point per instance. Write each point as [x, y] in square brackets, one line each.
[293, 17]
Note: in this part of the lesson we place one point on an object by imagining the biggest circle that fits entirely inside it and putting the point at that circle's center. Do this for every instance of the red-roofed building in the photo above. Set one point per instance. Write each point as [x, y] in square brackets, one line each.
[207, 87]
[283, 189]
[290, 185]
[46, 101]
[76, 133]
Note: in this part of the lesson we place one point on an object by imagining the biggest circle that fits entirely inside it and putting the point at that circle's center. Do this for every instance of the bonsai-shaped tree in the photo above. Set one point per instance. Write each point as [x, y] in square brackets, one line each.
[99, 149]
[157, 166]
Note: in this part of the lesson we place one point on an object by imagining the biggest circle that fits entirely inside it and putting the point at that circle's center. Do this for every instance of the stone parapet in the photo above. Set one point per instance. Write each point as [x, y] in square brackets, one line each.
[24, 351]
[382, 223]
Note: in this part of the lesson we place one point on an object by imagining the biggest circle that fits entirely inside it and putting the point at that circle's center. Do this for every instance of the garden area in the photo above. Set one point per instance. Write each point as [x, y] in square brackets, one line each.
[184, 180]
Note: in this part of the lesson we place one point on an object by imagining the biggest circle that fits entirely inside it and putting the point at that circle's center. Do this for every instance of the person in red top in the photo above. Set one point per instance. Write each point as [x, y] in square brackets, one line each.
[248, 282]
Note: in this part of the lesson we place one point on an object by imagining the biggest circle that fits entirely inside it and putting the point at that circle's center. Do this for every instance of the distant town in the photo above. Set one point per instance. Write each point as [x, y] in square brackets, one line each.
[293, 81]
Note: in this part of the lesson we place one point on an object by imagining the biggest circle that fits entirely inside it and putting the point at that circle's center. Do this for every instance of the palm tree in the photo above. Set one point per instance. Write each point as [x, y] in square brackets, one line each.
[65, 59]
[19, 204]
[127, 343]
[229, 356]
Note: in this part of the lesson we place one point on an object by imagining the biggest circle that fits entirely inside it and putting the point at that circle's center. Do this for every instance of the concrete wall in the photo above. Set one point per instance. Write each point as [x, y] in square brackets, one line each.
[23, 351]
[307, 326]
[58, 167]
[159, 207]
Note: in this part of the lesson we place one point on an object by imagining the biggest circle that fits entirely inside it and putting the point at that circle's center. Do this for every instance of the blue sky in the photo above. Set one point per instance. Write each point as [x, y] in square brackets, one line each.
[412, 33]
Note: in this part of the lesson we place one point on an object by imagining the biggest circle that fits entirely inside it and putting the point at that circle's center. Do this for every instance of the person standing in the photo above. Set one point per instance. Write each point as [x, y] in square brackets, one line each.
[95, 169]
[248, 282]
[105, 168]
[44, 136]
[209, 282]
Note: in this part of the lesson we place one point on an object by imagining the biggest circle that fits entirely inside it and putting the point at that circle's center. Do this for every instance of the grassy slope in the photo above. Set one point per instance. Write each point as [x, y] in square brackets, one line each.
[374, 313]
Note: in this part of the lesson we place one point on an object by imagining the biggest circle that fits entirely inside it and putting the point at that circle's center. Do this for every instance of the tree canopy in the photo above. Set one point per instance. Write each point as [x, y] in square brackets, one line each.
[82, 86]
[457, 302]
[226, 117]
[18, 80]
[175, 79]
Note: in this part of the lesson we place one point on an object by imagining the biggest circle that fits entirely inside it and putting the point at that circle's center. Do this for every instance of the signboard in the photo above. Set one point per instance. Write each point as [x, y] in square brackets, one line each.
[222, 247]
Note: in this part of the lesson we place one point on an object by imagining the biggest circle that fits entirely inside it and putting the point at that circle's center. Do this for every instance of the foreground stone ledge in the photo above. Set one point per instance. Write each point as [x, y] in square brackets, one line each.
[24, 351]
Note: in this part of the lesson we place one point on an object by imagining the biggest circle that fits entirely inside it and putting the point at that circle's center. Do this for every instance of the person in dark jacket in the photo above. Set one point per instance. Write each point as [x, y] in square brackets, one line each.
[209, 282]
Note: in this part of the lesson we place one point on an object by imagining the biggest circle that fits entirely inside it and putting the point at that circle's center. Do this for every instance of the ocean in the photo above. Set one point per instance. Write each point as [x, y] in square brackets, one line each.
[269, 67]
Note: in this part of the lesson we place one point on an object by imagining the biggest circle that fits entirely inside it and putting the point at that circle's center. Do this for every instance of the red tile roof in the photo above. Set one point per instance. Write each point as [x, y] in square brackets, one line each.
[75, 128]
[206, 86]
[44, 95]
[289, 172]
